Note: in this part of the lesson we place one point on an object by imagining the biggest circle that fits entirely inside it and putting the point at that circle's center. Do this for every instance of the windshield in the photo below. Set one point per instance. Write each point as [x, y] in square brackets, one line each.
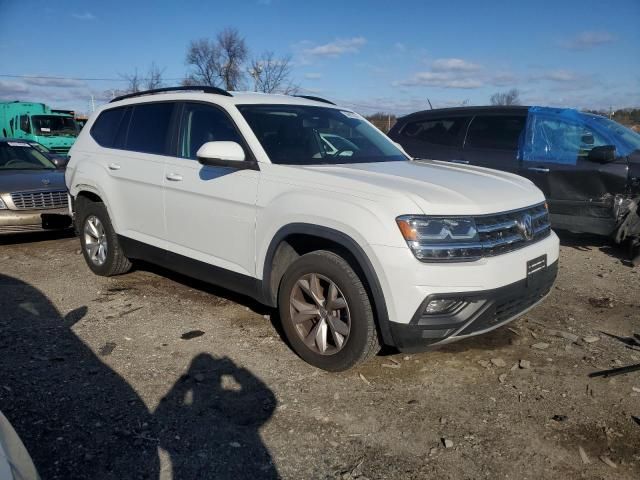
[48, 125]
[306, 135]
[626, 135]
[21, 156]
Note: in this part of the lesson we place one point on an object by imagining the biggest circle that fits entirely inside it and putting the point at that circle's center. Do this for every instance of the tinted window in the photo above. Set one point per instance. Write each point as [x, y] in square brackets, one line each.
[501, 132]
[106, 125]
[149, 128]
[442, 131]
[201, 124]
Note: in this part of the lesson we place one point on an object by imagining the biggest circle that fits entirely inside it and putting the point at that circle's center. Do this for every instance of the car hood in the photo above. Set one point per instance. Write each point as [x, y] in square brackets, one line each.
[22, 180]
[445, 188]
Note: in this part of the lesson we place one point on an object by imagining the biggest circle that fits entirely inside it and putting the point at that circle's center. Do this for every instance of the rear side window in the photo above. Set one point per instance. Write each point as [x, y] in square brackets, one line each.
[106, 126]
[442, 131]
[149, 128]
[498, 132]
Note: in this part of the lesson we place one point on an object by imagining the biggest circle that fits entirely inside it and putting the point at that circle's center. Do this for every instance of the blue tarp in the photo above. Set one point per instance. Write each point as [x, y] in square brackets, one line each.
[564, 136]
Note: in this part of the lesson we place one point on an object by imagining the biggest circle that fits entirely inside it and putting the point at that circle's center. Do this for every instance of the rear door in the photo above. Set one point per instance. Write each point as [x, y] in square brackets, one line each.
[210, 211]
[137, 138]
[492, 141]
[437, 138]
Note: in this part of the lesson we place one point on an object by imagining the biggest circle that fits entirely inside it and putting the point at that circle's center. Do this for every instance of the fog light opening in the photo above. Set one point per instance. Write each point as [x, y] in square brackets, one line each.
[440, 306]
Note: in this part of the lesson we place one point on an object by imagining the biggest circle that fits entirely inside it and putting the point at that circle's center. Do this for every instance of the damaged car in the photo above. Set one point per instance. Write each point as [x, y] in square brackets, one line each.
[587, 165]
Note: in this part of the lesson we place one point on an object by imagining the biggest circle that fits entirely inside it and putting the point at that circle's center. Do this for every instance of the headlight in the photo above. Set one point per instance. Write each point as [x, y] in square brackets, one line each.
[3, 206]
[438, 239]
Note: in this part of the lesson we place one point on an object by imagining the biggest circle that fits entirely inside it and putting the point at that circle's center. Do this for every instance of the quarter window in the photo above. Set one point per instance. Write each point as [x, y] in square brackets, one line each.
[201, 124]
[106, 126]
[497, 132]
[443, 131]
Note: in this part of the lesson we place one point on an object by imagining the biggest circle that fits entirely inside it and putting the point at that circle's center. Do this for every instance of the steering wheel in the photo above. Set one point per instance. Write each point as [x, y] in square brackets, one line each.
[13, 160]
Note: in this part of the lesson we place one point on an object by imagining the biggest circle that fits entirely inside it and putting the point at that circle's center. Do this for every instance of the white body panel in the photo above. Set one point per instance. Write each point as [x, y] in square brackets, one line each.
[228, 218]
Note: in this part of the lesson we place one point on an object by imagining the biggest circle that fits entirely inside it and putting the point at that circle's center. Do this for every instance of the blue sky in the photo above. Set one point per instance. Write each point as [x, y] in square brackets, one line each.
[371, 55]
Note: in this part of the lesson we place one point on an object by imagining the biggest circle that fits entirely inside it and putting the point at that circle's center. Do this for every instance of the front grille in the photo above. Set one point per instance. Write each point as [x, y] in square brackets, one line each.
[504, 232]
[40, 199]
[509, 306]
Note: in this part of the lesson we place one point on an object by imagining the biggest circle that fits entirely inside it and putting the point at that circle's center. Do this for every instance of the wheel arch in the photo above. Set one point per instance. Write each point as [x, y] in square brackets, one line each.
[296, 239]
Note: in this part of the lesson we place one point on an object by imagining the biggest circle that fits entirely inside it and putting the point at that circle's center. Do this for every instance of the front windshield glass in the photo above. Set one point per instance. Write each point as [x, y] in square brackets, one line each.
[22, 156]
[307, 135]
[48, 125]
[619, 131]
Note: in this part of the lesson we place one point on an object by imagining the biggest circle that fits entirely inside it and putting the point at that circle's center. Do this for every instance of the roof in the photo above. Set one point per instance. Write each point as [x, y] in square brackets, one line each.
[468, 110]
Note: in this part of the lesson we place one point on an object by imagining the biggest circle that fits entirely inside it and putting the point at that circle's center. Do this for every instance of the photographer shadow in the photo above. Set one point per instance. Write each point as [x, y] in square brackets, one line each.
[209, 422]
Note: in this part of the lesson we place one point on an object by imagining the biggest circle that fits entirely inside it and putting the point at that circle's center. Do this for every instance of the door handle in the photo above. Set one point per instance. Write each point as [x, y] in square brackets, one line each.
[174, 177]
[539, 169]
[464, 162]
[114, 166]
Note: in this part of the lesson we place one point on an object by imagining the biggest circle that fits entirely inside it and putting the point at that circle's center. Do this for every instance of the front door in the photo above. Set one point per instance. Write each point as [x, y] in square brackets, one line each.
[210, 211]
[579, 190]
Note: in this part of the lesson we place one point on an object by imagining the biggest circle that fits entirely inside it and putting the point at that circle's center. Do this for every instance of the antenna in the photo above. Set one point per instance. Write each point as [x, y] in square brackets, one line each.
[430, 106]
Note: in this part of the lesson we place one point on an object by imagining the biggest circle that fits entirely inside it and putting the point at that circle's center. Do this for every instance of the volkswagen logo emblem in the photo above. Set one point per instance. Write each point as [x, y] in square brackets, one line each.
[45, 181]
[525, 225]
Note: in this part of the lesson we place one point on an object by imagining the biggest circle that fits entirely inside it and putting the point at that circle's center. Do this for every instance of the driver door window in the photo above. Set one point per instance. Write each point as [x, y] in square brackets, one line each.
[201, 124]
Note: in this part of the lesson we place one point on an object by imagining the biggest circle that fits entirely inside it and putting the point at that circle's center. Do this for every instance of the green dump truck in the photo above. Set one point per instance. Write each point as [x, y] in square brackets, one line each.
[55, 129]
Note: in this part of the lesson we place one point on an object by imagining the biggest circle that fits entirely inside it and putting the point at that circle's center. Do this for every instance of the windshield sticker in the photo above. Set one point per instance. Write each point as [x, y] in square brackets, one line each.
[18, 144]
[45, 129]
[350, 114]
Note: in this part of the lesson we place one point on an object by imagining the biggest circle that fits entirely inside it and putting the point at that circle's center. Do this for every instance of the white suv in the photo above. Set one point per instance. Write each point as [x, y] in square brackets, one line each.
[307, 207]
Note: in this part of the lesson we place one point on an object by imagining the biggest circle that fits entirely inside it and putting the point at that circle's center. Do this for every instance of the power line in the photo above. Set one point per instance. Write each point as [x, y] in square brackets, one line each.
[83, 79]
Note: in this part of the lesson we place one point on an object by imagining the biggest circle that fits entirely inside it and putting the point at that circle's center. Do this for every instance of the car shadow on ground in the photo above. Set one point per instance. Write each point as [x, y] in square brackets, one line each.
[79, 419]
[33, 237]
[585, 242]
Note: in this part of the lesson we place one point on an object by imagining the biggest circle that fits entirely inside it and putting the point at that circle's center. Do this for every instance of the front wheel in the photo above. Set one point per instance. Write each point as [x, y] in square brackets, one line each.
[326, 313]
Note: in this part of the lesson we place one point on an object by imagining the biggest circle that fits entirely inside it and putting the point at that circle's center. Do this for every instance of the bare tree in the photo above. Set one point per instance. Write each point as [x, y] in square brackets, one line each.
[511, 97]
[154, 77]
[203, 56]
[218, 62]
[233, 53]
[137, 82]
[272, 75]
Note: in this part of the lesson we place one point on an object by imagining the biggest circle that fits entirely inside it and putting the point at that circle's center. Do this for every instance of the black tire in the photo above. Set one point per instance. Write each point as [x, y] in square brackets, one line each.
[116, 263]
[362, 341]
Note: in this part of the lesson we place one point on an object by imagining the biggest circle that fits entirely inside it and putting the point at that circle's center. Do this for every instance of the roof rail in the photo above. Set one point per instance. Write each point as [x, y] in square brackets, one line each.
[203, 88]
[317, 99]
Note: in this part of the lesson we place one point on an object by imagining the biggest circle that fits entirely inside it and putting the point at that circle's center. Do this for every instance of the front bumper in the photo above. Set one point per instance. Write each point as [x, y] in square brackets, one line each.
[18, 221]
[482, 311]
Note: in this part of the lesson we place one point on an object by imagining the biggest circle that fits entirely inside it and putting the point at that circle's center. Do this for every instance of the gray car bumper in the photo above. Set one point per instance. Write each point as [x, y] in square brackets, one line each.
[17, 221]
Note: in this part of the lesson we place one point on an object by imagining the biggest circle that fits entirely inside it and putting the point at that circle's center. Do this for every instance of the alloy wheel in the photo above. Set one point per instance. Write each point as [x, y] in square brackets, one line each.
[95, 240]
[320, 314]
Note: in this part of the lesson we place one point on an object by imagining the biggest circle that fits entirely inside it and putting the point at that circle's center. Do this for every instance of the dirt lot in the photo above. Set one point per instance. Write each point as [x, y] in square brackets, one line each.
[152, 375]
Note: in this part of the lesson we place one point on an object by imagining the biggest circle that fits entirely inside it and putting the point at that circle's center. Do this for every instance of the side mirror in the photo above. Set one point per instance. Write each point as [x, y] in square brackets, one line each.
[224, 154]
[602, 154]
[59, 161]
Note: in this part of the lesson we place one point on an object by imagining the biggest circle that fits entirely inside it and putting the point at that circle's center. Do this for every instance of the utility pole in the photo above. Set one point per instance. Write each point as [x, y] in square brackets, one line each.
[93, 104]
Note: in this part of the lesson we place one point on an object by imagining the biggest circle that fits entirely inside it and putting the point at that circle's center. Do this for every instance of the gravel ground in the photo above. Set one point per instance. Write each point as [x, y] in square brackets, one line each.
[153, 375]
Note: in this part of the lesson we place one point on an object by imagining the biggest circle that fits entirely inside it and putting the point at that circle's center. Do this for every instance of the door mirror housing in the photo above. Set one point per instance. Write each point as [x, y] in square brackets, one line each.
[59, 161]
[602, 154]
[224, 154]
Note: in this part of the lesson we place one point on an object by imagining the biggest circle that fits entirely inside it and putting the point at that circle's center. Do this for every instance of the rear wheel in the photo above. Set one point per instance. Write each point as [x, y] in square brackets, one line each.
[326, 313]
[99, 241]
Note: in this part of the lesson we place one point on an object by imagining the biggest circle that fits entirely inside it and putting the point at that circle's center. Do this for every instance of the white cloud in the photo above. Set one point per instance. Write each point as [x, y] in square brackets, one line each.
[440, 79]
[338, 47]
[84, 16]
[587, 40]
[399, 46]
[9, 90]
[53, 82]
[454, 65]
[313, 75]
